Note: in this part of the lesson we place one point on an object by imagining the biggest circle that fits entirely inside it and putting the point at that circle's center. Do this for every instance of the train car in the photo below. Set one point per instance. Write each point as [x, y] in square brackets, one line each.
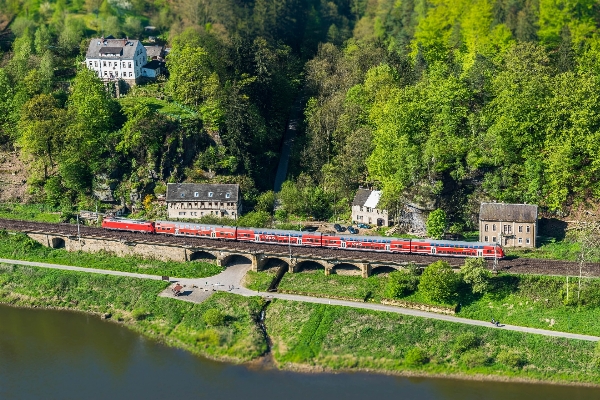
[313, 239]
[372, 243]
[278, 236]
[449, 248]
[197, 230]
[245, 234]
[130, 225]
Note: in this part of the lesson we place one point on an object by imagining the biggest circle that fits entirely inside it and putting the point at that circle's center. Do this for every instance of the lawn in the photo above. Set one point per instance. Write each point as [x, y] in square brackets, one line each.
[346, 338]
[21, 247]
[29, 212]
[161, 106]
[135, 303]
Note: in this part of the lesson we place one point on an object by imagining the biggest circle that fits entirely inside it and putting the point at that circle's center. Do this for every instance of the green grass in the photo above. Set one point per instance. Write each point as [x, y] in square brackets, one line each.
[29, 212]
[551, 250]
[346, 338]
[135, 303]
[259, 281]
[161, 106]
[21, 247]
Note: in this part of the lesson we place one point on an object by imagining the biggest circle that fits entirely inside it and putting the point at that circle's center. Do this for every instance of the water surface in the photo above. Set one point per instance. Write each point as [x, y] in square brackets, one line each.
[47, 354]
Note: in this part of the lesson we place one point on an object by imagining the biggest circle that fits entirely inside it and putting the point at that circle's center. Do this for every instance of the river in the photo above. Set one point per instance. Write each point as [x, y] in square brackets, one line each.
[47, 354]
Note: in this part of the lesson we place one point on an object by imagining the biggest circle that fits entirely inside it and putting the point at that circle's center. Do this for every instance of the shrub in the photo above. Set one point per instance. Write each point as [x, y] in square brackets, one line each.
[139, 314]
[476, 274]
[474, 358]
[214, 317]
[466, 341]
[400, 284]
[439, 282]
[436, 224]
[512, 359]
[415, 357]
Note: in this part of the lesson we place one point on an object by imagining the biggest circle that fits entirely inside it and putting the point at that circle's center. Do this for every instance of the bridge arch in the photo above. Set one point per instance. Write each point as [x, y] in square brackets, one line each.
[57, 243]
[201, 255]
[235, 259]
[311, 266]
[346, 269]
[385, 269]
[274, 262]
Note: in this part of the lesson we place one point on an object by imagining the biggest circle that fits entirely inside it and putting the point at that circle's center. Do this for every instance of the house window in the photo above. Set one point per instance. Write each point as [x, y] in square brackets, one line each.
[182, 194]
[91, 63]
[130, 74]
[95, 63]
[105, 73]
[527, 241]
[507, 229]
[520, 229]
[129, 65]
[520, 240]
[104, 63]
[210, 194]
[493, 239]
[528, 228]
[494, 229]
[485, 239]
[227, 195]
[196, 194]
[486, 228]
[181, 212]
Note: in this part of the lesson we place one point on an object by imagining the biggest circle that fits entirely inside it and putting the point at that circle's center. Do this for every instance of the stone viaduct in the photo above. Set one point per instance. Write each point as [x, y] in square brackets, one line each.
[221, 255]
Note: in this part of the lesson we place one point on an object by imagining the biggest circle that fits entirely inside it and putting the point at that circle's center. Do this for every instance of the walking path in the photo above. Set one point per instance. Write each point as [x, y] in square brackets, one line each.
[199, 289]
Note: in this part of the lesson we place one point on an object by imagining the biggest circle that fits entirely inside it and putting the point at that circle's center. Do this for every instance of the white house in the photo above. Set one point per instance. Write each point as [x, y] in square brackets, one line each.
[115, 59]
[364, 209]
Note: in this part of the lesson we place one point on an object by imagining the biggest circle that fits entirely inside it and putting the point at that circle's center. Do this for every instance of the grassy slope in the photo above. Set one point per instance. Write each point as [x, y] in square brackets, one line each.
[28, 212]
[342, 338]
[534, 301]
[23, 248]
[175, 322]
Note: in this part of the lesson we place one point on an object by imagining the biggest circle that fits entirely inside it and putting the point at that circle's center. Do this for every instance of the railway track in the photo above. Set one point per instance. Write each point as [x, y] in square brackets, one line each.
[517, 265]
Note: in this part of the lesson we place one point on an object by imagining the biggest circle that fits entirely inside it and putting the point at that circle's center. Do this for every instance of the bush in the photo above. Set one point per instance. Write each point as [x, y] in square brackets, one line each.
[439, 282]
[512, 359]
[139, 314]
[475, 358]
[209, 337]
[214, 317]
[436, 224]
[466, 341]
[415, 357]
[475, 274]
[400, 284]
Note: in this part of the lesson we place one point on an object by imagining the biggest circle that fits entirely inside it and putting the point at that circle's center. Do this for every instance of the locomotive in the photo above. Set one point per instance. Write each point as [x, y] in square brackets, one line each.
[444, 248]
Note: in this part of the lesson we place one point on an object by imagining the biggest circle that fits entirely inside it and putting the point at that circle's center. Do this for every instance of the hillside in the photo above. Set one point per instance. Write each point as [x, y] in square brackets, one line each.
[439, 102]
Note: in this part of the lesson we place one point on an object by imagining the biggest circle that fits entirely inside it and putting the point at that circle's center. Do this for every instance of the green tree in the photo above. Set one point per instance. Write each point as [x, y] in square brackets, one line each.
[439, 283]
[436, 224]
[475, 273]
[400, 284]
[214, 317]
[189, 69]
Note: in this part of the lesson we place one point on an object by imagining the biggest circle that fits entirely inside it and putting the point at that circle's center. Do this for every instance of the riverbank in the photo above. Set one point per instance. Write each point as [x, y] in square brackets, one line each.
[307, 337]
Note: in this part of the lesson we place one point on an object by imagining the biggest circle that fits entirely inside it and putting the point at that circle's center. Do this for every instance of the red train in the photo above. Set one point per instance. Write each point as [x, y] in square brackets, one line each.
[444, 248]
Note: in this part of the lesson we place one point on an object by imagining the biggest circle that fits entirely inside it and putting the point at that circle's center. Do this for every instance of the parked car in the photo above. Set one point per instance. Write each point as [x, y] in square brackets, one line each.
[352, 230]
[363, 226]
[339, 228]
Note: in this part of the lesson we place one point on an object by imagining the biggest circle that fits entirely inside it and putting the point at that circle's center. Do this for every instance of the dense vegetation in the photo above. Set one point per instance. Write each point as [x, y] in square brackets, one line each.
[444, 103]
[21, 247]
[135, 302]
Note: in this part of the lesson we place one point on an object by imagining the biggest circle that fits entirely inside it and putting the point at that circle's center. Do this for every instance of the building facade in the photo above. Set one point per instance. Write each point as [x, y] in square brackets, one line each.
[364, 209]
[115, 59]
[195, 200]
[511, 225]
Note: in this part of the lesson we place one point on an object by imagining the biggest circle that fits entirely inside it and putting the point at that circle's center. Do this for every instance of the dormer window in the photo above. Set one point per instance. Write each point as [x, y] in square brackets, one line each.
[210, 194]
[196, 194]
[182, 194]
[227, 195]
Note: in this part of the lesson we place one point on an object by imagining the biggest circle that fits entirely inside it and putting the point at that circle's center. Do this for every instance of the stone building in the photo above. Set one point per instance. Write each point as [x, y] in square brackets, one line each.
[364, 209]
[195, 200]
[511, 225]
[116, 59]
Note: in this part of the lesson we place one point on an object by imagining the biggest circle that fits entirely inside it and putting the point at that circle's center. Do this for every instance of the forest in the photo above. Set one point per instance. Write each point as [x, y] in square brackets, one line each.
[441, 103]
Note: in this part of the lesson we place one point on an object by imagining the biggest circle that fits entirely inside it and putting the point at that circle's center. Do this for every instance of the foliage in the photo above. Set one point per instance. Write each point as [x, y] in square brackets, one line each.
[512, 359]
[400, 283]
[475, 274]
[439, 282]
[29, 212]
[259, 281]
[415, 357]
[465, 342]
[214, 317]
[436, 224]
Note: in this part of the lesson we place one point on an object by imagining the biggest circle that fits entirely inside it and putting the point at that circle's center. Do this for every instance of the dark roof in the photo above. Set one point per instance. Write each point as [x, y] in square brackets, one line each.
[187, 192]
[154, 64]
[111, 50]
[154, 51]
[508, 212]
[361, 197]
[124, 48]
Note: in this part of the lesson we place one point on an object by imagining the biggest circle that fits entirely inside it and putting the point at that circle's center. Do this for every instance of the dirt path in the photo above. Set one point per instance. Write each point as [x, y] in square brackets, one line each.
[199, 289]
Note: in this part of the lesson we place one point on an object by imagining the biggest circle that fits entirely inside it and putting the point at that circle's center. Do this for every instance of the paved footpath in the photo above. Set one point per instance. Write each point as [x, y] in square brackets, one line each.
[199, 289]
